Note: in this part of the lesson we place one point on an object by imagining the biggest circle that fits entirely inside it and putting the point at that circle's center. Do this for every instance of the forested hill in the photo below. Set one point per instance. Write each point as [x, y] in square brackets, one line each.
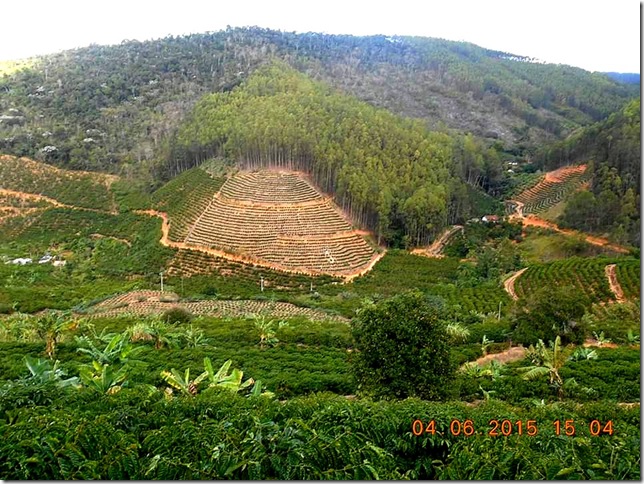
[103, 107]
[613, 148]
[390, 173]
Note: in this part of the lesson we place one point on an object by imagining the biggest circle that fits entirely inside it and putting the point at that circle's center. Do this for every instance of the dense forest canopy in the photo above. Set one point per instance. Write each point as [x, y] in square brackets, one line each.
[110, 107]
[391, 174]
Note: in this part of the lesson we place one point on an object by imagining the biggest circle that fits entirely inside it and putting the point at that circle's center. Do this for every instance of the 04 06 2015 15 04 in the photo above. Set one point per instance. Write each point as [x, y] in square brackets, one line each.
[507, 427]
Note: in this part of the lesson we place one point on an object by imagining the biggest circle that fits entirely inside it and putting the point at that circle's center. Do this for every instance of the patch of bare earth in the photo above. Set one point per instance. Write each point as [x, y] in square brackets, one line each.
[436, 249]
[508, 284]
[277, 220]
[157, 302]
[614, 284]
[515, 353]
[561, 174]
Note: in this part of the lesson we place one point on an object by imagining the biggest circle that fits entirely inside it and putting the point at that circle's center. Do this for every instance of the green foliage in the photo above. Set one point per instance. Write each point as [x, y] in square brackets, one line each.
[43, 371]
[549, 313]
[73, 188]
[389, 173]
[103, 378]
[119, 116]
[117, 351]
[267, 329]
[546, 362]
[585, 275]
[176, 315]
[137, 435]
[402, 349]
[614, 145]
[184, 198]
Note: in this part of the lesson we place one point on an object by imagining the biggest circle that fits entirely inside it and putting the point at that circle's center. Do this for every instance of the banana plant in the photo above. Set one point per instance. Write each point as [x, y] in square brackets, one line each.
[162, 334]
[194, 337]
[601, 338]
[222, 378]
[183, 383]
[118, 349]
[267, 329]
[103, 377]
[547, 362]
[43, 371]
[485, 344]
[633, 339]
[50, 327]
[457, 332]
[583, 354]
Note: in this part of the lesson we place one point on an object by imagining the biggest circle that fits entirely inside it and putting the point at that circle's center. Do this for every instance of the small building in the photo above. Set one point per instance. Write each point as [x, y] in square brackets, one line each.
[490, 218]
[59, 263]
[45, 259]
[21, 261]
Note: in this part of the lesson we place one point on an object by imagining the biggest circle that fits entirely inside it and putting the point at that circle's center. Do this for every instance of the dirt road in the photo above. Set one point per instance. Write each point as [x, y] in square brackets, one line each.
[436, 249]
[614, 284]
[508, 284]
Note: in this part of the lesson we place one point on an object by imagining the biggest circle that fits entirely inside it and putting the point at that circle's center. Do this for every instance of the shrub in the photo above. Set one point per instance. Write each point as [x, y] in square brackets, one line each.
[177, 315]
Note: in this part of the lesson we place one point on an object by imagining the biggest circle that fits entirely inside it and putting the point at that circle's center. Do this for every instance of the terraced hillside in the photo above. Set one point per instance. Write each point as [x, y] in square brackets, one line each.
[280, 219]
[157, 302]
[586, 275]
[187, 263]
[550, 190]
[184, 198]
[21, 177]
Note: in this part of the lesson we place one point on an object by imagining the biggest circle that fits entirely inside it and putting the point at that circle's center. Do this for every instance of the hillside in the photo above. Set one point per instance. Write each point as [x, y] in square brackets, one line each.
[550, 189]
[103, 107]
[613, 148]
[22, 177]
[281, 219]
[391, 174]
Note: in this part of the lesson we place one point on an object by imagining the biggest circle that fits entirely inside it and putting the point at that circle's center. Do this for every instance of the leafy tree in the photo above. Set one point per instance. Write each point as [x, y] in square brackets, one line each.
[402, 349]
[548, 313]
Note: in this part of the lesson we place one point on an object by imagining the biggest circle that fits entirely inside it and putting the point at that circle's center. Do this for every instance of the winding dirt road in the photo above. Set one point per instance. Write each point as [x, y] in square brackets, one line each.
[508, 284]
[436, 249]
[614, 284]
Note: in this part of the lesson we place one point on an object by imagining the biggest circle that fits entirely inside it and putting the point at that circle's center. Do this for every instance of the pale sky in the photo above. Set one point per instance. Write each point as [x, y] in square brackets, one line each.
[596, 36]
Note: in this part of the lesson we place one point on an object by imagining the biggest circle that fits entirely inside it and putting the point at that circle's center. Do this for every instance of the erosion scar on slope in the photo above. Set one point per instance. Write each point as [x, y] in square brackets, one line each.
[165, 241]
[509, 283]
[614, 284]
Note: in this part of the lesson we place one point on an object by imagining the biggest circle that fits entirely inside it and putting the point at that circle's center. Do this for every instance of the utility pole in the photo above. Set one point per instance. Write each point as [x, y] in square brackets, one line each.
[499, 310]
[161, 274]
[311, 286]
[261, 283]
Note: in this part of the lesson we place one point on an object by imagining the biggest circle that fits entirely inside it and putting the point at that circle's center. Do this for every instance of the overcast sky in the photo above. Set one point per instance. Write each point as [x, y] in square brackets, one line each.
[597, 36]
